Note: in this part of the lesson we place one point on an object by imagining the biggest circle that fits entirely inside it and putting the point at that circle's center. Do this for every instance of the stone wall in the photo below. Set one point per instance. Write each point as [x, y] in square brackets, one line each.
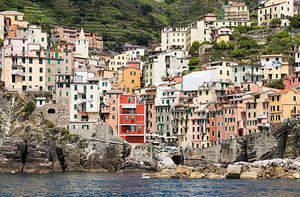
[60, 117]
[249, 148]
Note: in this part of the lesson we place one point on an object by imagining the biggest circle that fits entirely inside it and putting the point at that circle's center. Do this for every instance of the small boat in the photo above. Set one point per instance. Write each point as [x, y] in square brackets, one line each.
[145, 177]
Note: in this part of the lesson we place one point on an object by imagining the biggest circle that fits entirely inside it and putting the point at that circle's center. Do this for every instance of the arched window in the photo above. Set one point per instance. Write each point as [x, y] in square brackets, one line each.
[51, 111]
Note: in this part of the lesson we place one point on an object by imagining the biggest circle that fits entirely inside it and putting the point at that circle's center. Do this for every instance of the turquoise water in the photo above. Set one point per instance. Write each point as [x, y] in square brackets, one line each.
[130, 184]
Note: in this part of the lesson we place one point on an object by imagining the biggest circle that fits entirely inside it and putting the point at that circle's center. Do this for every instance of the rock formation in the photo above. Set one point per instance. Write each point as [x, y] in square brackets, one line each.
[31, 143]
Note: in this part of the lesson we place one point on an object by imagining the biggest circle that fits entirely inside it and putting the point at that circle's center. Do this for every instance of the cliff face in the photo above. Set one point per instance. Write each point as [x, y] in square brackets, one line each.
[261, 146]
[31, 143]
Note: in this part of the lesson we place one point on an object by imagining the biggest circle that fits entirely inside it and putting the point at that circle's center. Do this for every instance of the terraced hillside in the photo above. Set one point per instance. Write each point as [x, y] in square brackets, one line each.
[137, 21]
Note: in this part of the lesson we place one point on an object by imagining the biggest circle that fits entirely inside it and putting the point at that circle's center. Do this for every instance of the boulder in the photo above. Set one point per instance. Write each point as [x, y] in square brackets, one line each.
[197, 175]
[233, 171]
[165, 174]
[296, 175]
[214, 176]
[184, 170]
[279, 170]
[249, 175]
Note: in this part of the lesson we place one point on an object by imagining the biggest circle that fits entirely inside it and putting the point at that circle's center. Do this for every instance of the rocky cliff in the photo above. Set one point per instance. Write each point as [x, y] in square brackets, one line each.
[284, 142]
[31, 143]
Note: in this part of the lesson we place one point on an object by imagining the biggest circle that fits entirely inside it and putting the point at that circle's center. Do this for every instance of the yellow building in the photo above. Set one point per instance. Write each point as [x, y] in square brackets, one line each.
[284, 105]
[236, 11]
[118, 62]
[130, 79]
[274, 67]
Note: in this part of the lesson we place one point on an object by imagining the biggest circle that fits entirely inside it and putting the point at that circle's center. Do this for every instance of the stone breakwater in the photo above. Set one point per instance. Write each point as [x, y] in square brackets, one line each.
[265, 169]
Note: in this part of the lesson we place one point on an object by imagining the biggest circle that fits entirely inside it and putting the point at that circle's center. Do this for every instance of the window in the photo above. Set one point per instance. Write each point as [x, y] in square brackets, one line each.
[113, 109]
[49, 70]
[41, 70]
[126, 118]
[75, 87]
[30, 60]
[129, 99]
[113, 117]
[23, 78]
[30, 69]
[49, 79]
[58, 61]
[23, 60]
[30, 78]
[40, 61]
[41, 78]
[67, 61]
[132, 81]
[75, 106]
[75, 97]
[139, 128]
[92, 87]
[67, 68]
[294, 98]
[43, 39]
[91, 105]
[75, 116]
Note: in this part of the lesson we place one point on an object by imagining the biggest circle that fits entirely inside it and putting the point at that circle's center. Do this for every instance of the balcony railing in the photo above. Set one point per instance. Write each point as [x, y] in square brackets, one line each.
[18, 72]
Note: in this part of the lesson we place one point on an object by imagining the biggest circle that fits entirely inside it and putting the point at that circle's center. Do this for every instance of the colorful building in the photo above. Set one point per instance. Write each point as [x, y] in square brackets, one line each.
[284, 105]
[132, 120]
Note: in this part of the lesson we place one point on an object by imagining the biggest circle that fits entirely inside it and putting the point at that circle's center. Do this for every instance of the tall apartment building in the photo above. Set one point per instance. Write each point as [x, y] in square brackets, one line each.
[131, 120]
[85, 104]
[173, 38]
[167, 64]
[236, 11]
[280, 9]
[24, 65]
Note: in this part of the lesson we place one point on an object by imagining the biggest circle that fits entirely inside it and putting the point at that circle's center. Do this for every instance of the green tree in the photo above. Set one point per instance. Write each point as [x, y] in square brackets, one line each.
[194, 48]
[277, 84]
[1, 42]
[238, 53]
[295, 21]
[275, 22]
[193, 63]
[246, 43]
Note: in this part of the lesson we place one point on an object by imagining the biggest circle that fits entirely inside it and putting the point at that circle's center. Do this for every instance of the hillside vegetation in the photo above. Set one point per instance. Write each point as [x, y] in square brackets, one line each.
[119, 21]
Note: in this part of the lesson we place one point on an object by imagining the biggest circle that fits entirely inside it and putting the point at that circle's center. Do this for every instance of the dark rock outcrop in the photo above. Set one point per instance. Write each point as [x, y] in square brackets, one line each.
[28, 143]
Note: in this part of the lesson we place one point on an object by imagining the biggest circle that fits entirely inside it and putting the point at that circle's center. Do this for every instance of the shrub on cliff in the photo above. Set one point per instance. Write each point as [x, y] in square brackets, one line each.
[27, 110]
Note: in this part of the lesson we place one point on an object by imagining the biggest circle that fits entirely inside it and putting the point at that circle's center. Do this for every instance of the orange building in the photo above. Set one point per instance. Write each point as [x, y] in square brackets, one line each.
[130, 80]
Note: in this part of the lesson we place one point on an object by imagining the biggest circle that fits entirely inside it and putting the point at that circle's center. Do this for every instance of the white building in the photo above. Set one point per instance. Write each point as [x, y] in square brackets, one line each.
[280, 9]
[173, 38]
[85, 101]
[34, 35]
[167, 64]
[202, 30]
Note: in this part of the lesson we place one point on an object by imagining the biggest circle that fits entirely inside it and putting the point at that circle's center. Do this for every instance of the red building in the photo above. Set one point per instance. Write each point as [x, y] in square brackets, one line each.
[131, 121]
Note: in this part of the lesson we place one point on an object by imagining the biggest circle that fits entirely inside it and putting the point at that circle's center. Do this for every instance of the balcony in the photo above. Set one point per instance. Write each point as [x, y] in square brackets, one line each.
[132, 119]
[17, 72]
[262, 116]
[132, 130]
